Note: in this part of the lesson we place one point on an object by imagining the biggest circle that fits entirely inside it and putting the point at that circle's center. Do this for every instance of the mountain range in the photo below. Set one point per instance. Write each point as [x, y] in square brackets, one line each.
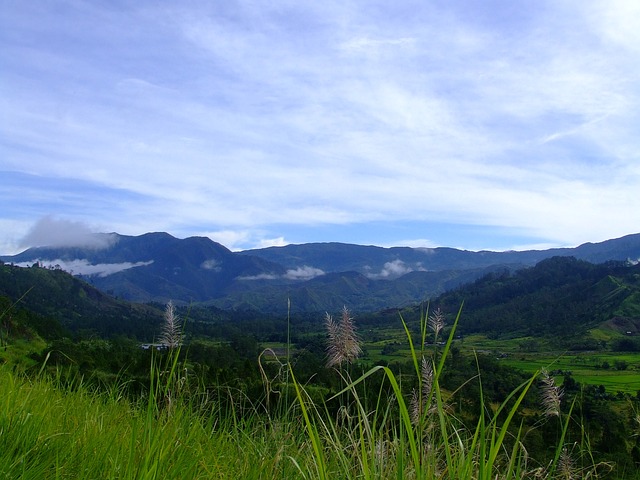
[313, 277]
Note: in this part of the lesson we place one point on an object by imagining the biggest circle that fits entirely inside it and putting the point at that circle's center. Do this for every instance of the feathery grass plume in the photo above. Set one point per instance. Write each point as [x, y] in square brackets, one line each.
[427, 377]
[172, 328]
[415, 407]
[566, 466]
[436, 322]
[551, 395]
[419, 402]
[344, 344]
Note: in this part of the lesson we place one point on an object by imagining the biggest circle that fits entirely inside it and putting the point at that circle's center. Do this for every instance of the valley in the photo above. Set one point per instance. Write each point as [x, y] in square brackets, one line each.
[494, 336]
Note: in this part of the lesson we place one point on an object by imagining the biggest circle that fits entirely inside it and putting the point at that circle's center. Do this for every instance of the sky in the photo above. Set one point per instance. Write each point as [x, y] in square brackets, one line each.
[483, 125]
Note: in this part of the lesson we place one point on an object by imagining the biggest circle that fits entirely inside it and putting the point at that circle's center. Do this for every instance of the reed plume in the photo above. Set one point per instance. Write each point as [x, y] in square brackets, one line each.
[551, 395]
[172, 328]
[566, 466]
[344, 344]
[419, 400]
[436, 322]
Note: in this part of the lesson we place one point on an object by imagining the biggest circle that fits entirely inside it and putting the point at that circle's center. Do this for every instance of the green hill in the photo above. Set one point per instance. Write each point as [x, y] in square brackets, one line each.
[560, 297]
[60, 300]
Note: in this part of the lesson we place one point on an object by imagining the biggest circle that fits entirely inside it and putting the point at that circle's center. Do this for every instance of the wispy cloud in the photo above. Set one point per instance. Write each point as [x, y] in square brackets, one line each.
[303, 273]
[300, 273]
[262, 276]
[239, 239]
[394, 269]
[263, 122]
[83, 267]
[55, 232]
[211, 264]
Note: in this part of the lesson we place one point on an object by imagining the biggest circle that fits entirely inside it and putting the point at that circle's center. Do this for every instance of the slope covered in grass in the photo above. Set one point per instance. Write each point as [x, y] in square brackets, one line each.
[48, 430]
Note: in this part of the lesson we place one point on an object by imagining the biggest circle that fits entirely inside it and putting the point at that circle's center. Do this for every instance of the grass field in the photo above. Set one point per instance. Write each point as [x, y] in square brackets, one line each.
[587, 368]
[615, 371]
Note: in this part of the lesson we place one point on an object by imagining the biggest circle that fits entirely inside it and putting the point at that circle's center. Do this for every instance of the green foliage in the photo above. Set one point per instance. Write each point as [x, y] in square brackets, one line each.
[184, 423]
[628, 344]
[559, 298]
[367, 441]
[475, 421]
[57, 301]
[54, 430]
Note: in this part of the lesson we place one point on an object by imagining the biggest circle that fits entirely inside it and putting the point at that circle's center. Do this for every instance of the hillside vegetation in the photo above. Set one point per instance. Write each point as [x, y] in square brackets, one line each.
[157, 267]
[75, 304]
[560, 298]
[250, 396]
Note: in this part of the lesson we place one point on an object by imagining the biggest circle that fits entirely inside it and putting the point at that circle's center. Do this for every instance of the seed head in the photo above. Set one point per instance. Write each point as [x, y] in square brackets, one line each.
[343, 344]
[172, 328]
[566, 465]
[551, 395]
[436, 321]
[417, 405]
[427, 377]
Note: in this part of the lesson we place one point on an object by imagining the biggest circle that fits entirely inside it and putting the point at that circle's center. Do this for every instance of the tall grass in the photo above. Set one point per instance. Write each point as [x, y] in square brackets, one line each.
[53, 428]
[422, 438]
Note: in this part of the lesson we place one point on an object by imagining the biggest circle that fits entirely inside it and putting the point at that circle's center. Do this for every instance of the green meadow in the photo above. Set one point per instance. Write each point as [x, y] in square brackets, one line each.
[57, 426]
[616, 371]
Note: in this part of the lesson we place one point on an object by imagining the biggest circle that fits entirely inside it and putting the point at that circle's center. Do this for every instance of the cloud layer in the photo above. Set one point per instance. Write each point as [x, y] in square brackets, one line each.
[83, 267]
[262, 123]
[54, 232]
[299, 273]
[394, 269]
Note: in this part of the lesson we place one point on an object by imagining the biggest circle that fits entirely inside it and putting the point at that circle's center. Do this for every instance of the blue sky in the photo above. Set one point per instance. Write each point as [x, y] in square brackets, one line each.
[479, 125]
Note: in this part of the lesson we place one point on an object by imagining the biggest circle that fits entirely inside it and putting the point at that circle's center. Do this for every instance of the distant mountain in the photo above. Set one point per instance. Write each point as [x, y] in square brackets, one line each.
[378, 262]
[314, 276]
[560, 298]
[154, 266]
[332, 291]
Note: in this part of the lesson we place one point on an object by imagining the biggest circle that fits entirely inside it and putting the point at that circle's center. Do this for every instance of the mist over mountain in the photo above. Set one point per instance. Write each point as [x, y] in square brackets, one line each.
[314, 276]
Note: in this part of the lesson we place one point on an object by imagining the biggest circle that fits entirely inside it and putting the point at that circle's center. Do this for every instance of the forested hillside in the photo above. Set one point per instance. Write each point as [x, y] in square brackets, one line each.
[76, 305]
[560, 297]
[238, 360]
[157, 267]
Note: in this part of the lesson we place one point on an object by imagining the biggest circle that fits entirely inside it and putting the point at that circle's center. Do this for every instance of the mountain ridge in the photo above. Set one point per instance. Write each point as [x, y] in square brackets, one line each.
[157, 267]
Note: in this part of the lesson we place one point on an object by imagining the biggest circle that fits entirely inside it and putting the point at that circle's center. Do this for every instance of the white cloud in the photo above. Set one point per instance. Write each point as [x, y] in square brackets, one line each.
[211, 264]
[247, 120]
[241, 239]
[394, 269]
[618, 21]
[262, 276]
[272, 242]
[53, 232]
[303, 273]
[229, 238]
[374, 45]
[83, 267]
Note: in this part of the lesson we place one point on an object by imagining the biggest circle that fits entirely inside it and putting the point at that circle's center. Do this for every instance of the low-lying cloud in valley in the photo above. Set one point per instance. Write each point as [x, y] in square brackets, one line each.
[394, 269]
[262, 276]
[211, 264]
[303, 273]
[83, 267]
[300, 273]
